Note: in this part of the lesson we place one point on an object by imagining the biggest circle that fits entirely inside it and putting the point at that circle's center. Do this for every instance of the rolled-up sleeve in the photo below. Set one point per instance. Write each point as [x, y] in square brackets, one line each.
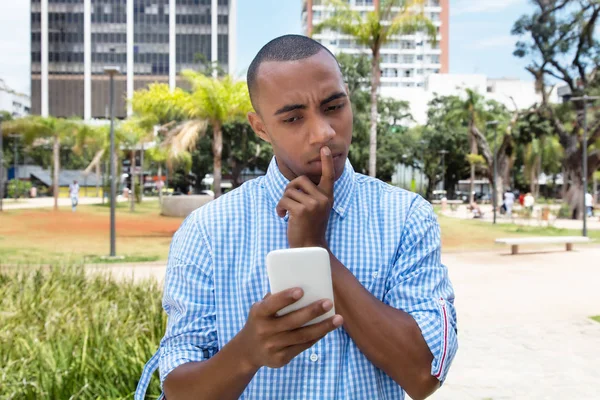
[420, 286]
[189, 300]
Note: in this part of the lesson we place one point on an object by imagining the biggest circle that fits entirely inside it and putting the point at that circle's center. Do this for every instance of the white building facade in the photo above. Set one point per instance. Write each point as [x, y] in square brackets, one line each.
[149, 40]
[13, 102]
[507, 91]
[407, 60]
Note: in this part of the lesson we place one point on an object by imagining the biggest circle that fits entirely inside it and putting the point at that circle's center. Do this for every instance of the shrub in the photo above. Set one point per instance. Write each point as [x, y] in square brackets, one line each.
[64, 334]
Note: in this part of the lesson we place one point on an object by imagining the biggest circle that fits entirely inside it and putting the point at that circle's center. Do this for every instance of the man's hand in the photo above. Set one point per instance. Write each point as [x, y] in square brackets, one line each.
[271, 341]
[309, 205]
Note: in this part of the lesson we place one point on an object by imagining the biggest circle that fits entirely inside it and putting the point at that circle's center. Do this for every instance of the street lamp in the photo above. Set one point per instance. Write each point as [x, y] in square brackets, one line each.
[584, 157]
[443, 153]
[494, 196]
[15, 164]
[1, 166]
[112, 71]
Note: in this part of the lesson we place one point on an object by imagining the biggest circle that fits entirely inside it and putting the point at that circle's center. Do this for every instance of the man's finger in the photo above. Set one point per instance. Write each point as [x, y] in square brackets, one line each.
[328, 172]
[275, 302]
[286, 204]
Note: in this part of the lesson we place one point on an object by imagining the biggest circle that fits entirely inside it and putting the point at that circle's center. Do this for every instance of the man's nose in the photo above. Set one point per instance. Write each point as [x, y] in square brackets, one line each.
[321, 132]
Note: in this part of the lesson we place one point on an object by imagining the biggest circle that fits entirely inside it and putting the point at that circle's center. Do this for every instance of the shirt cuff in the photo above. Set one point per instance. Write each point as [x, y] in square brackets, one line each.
[439, 331]
[174, 357]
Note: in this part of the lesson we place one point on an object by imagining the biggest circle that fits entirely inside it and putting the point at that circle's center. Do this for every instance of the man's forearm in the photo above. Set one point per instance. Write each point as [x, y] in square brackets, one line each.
[224, 376]
[388, 337]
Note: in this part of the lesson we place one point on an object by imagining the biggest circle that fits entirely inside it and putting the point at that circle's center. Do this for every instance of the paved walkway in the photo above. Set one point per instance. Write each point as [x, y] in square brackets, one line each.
[48, 202]
[593, 223]
[524, 327]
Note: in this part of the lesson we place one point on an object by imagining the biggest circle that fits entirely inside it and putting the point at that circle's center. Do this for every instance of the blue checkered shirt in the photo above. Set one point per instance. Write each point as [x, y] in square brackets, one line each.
[387, 237]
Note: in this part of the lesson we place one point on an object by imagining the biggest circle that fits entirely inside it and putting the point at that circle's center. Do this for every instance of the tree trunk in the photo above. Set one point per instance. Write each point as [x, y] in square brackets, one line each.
[160, 183]
[142, 173]
[56, 157]
[375, 77]
[217, 153]
[574, 172]
[132, 181]
[98, 179]
[474, 150]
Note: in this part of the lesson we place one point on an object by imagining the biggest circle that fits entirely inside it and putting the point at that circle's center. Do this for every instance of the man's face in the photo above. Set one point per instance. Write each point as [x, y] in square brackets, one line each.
[302, 106]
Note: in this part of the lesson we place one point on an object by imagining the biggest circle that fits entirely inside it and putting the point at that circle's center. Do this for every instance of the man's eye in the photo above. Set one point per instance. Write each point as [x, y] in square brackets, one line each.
[336, 107]
[292, 119]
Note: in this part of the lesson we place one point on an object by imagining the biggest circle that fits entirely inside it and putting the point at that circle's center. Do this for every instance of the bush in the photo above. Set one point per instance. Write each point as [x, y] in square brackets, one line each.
[64, 334]
[17, 188]
[565, 211]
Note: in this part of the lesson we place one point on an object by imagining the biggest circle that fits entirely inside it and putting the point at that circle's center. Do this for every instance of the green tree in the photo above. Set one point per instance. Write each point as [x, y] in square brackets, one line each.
[473, 112]
[559, 38]
[212, 102]
[36, 128]
[388, 19]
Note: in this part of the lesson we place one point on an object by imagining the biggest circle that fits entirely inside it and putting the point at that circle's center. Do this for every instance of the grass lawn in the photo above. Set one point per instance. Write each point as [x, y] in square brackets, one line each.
[469, 235]
[43, 235]
[596, 318]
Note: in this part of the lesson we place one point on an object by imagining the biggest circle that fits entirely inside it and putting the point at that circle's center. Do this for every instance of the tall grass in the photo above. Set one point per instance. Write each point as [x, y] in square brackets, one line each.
[65, 334]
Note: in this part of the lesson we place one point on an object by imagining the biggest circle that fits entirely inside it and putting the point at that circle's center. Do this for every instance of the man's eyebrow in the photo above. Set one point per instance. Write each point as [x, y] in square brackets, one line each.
[333, 97]
[290, 107]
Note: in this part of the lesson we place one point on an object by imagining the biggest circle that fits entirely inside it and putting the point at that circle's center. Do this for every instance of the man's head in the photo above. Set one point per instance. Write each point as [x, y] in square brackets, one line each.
[75, 182]
[301, 104]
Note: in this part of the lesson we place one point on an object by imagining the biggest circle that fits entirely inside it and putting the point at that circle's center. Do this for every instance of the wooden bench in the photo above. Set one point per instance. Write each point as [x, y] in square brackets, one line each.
[567, 240]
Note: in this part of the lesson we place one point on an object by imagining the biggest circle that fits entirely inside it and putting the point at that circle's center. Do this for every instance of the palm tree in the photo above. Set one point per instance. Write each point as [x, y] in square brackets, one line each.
[469, 110]
[36, 128]
[186, 116]
[378, 27]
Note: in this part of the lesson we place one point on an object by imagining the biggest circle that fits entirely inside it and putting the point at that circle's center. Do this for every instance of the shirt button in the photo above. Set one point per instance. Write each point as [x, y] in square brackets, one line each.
[375, 274]
[441, 302]
[314, 357]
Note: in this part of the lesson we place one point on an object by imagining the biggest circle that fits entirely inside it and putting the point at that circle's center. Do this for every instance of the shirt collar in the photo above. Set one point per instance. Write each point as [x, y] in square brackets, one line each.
[343, 188]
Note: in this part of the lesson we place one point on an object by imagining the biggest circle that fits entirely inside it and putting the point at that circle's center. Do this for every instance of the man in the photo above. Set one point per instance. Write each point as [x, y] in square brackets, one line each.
[74, 194]
[395, 330]
[509, 201]
[589, 204]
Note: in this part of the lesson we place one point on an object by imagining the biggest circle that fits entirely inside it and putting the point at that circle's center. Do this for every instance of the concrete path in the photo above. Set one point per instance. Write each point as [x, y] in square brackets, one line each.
[524, 327]
[593, 223]
[48, 202]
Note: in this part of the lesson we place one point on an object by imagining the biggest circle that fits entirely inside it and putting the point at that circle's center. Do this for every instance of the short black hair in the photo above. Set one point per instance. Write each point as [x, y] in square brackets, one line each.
[283, 48]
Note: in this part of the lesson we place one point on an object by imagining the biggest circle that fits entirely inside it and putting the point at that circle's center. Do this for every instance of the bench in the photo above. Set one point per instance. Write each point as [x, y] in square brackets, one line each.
[568, 240]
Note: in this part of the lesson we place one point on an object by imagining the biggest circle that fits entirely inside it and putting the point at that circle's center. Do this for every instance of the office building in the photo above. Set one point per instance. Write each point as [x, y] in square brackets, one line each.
[406, 60]
[149, 40]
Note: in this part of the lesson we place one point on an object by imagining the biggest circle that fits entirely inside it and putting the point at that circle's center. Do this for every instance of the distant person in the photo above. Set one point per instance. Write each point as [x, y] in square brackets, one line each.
[74, 194]
[477, 213]
[589, 204]
[395, 328]
[509, 201]
[529, 201]
[522, 199]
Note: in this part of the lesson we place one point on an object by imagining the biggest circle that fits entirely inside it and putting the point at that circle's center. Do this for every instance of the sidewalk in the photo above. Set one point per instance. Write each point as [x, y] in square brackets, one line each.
[593, 223]
[48, 202]
[523, 323]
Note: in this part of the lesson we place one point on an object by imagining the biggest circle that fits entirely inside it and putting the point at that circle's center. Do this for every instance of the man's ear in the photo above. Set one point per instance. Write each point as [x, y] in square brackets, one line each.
[258, 126]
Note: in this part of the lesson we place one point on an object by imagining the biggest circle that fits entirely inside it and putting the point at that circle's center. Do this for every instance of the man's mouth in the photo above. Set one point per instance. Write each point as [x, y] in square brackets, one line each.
[336, 156]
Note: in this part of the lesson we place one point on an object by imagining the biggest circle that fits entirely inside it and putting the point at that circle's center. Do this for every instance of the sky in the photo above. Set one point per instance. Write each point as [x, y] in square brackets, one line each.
[480, 40]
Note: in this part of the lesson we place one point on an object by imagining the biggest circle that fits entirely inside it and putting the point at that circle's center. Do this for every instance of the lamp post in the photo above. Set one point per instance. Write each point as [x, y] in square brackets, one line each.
[584, 157]
[112, 71]
[494, 196]
[1, 166]
[15, 164]
[443, 153]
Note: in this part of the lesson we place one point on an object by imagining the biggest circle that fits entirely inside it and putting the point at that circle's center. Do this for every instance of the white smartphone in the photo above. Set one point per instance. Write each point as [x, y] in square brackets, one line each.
[307, 268]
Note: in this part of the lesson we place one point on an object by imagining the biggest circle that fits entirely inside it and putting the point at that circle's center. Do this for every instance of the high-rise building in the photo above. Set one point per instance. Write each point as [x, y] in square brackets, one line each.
[149, 40]
[406, 60]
